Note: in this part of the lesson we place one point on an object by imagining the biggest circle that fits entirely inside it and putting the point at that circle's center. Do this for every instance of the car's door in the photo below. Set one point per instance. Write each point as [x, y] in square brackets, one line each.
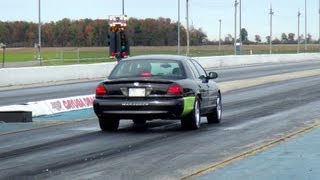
[212, 88]
[202, 84]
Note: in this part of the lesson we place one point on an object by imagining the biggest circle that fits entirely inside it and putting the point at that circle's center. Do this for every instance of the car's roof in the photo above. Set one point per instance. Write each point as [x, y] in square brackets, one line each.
[158, 57]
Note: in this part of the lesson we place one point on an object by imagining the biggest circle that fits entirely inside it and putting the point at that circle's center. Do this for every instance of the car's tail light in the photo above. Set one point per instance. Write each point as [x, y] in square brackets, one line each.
[145, 74]
[101, 90]
[174, 90]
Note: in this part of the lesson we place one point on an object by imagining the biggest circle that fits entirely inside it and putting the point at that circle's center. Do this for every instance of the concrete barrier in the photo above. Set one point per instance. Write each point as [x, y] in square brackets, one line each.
[223, 61]
[47, 74]
[50, 106]
[40, 75]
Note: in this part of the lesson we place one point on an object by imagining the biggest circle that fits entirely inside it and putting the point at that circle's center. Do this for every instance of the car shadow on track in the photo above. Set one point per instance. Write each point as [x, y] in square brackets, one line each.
[158, 126]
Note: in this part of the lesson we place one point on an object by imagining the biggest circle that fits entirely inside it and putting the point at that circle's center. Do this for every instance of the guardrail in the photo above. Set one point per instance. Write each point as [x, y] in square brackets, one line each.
[52, 74]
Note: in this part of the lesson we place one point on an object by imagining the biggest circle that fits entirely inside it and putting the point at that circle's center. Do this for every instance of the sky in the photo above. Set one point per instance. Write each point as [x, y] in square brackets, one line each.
[203, 14]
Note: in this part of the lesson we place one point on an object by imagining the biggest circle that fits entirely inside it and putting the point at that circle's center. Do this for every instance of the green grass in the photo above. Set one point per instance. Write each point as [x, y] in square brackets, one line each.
[63, 56]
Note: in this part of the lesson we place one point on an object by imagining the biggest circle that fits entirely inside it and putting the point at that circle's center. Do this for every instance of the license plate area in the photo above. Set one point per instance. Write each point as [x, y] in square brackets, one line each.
[137, 92]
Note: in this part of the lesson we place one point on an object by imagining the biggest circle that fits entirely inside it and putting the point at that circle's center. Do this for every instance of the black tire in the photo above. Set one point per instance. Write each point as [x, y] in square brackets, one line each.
[216, 115]
[108, 124]
[139, 121]
[193, 120]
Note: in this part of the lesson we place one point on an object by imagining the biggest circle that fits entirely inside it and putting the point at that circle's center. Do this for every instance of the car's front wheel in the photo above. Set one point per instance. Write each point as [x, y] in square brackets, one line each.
[193, 120]
[107, 124]
[216, 115]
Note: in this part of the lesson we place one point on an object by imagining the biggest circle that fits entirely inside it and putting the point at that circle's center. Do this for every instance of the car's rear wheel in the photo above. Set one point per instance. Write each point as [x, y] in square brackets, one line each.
[108, 124]
[193, 120]
[216, 115]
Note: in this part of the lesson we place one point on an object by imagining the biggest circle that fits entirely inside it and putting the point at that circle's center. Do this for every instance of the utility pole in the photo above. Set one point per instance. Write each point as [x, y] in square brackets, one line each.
[178, 27]
[240, 21]
[298, 49]
[220, 35]
[122, 7]
[235, 26]
[319, 22]
[188, 33]
[271, 14]
[306, 27]
[39, 34]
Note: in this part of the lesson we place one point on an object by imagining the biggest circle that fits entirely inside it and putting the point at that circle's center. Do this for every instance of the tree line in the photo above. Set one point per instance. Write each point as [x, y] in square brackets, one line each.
[286, 38]
[141, 32]
[88, 33]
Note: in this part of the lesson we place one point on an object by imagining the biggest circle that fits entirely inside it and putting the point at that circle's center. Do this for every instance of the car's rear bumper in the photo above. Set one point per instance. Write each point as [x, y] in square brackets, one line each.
[146, 109]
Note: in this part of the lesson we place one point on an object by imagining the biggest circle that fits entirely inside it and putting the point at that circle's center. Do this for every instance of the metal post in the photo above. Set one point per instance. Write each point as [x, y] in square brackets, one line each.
[219, 35]
[319, 22]
[240, 26]
[271, 14]
[235, 26]
[122, 7]
[3, 56]
[178, 27]
[3, 46]
[299, 14]
[187, 19]
[39, 34]
[306, 27]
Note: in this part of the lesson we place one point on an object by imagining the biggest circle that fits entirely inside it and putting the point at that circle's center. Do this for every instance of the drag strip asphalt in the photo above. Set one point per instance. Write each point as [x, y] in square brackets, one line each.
[253, 116]
[30, 94]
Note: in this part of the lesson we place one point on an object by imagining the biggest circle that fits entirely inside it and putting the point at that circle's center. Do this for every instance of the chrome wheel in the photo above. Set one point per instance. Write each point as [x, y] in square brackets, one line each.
[219, 107]
[216, 115]
[197, 113]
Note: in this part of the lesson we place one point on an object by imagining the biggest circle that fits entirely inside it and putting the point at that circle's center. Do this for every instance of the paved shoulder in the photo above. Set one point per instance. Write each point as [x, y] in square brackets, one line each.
[297, 158]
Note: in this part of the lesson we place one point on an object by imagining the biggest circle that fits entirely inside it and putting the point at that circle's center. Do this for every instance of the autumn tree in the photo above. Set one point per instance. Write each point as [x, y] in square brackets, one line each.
[88, 32]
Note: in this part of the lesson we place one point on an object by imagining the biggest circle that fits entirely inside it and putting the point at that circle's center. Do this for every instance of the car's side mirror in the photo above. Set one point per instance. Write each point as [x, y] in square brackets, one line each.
[213, 75]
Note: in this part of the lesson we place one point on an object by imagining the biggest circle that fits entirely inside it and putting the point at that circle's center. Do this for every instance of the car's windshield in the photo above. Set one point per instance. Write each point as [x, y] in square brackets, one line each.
[160, 69]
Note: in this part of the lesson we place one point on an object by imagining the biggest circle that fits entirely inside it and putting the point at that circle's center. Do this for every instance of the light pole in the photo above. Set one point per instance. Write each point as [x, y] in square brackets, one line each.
[178, 27]
[271, 14]
[299, 14]
[188, 33]
[187, 19]
[240, 9]
[3, 46]
[220, 35]
[306, 27]
[235, 26]
[122, 7]
[39, 34]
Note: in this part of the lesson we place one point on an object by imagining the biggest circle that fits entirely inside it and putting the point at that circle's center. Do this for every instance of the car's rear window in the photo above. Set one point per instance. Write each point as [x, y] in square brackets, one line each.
[163, 69]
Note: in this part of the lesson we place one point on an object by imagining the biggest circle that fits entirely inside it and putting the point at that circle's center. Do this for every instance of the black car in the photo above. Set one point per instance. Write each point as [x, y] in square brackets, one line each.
[158, 87]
